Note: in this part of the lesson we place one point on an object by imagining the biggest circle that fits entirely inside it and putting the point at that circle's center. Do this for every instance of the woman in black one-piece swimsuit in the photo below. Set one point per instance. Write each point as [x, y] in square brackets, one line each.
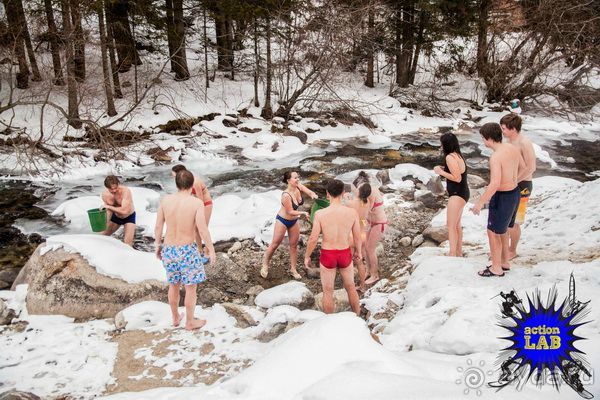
[455, 172]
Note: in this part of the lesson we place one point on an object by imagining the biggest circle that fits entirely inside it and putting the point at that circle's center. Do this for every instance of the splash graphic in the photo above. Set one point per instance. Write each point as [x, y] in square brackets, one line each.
[542, 336]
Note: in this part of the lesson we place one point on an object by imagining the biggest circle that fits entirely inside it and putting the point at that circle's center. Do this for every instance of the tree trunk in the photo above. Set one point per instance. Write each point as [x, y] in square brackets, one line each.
[78, 41]
[482, 29]
[205, 49]
[220, 36]
[36, 77]
[267, 111]
[179, 57]
[53, 33]
[423, 19]
[370, 45]
[403, 74]
[398, 42]
[169, 24]
[124, 43]
[256, 64]
[73, 108]
[110, 102]
[16, 32]
[111, 53]
[229, 42]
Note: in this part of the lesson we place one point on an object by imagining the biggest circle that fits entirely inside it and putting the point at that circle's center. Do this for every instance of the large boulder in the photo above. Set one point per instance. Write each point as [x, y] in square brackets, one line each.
[476, 182]
[226, 276]
[438, 234]
[6, 314]
[16, 395]
[292, 293]
[63, 282]
[435, 186]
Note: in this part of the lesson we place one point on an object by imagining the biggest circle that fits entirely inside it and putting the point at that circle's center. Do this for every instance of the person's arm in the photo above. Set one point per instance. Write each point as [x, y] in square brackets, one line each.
[286, 201]
[454, 168]
[312, 240]
[306, 190]
[495, 178]
[158, 231]
[205, 234]
[126, 206]
[356, 236]
[529, 161]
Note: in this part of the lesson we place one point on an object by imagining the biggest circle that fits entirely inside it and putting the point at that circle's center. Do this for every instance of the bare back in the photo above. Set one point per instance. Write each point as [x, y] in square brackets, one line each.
[504, 164]
[180, 213]
[336, 224]
[525, 146]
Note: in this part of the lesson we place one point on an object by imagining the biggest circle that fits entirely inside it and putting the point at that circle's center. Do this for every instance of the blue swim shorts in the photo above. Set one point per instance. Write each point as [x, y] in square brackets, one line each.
[183, 264]
[503, 210]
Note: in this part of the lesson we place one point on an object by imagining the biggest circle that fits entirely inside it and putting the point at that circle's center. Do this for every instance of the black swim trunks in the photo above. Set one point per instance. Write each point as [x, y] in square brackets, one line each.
[130, 219]
[502, 210]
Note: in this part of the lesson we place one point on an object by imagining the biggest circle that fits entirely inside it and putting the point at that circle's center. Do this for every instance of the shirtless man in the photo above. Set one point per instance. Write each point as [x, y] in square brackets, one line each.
[511, 129]
[117, 200]
[184, 215]
[336, 222]
[502, 193]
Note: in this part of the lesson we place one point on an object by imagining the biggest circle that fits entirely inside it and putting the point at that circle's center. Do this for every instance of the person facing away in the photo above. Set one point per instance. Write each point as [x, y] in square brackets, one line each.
[117, 200]
[184, 215]
[360, 202]
[503, 194]
[511, 129]
[337, 223]
[455, 172]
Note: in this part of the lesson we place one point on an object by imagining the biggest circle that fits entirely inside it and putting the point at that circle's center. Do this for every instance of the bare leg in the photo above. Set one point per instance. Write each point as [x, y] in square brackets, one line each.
[293, 236]
[128, 233]
[191, 323]
[327, 281]
[208, 213]
[278, 234]
[174, 304]
[514, 234]
[361, 273]
[348, 281]
[504, 251]
[455, 205]
[111, 228]
[372, 240]
[495, 252]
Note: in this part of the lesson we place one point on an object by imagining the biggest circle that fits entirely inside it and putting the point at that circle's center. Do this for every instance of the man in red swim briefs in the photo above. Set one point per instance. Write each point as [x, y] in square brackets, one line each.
[339, 225]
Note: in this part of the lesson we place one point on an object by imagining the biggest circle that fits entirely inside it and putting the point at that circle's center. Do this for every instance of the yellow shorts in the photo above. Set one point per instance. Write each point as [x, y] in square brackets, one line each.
[525, 188]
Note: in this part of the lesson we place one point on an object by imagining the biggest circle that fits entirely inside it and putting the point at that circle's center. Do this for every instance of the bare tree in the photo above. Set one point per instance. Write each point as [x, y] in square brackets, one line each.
[73, 108]
[78, 41]
[16, 31]
[110, 103]
[111, 52]
[53, 37]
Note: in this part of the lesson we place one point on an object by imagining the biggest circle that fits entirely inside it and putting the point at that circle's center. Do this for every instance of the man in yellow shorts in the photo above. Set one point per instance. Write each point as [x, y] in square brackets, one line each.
[511, 129]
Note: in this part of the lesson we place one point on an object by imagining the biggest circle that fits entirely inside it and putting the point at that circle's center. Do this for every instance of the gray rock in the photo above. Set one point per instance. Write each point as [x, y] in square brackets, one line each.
[406, 241]
[340, 301]
[428, 199]
[16, 395]
[226, 275]
[209, 295]
[236, 246]
[64, 283]
[435, 186]
[313, 273]
[6, 314]
[272, 333]
[476, 182]
[254, 290]
[303, 137]
[384, 176]
[9, 275]
[417, 241]
[437, 234]
[429, 243]
[242, 317]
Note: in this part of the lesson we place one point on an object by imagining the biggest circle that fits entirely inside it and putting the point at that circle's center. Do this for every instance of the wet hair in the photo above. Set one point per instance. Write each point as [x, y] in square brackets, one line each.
[179, 167]
[335, 187]
[361, 178]
[287, 175]
[491, 130]
[110, 181]
[512, 121]
[184, 179]
[364, 191]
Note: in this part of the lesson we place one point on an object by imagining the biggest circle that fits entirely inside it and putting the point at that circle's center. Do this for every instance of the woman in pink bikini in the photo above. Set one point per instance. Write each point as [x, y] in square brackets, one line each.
[377, 221]
[360, 202]
[286, 221]
[199, 190]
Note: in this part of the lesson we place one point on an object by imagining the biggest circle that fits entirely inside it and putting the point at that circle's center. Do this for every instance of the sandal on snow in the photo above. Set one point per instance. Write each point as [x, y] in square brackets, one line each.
[487, 273]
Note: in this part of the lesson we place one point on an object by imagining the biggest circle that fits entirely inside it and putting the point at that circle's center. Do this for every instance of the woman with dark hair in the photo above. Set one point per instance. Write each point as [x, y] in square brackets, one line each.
[455, 172]
[376, 222]
[286, 221]
[360, 202]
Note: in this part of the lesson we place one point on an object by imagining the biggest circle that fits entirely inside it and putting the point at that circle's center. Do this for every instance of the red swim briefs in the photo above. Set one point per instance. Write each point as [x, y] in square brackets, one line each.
[335, 258]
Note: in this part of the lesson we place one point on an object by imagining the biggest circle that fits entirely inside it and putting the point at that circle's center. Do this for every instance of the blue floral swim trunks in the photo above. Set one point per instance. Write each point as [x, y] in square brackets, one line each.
[183, 264]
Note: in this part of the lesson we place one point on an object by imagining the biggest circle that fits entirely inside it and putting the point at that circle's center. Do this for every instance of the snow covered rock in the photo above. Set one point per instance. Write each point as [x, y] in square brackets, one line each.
[17, 395]
[6, 314]
[243, 318]
[291, 293]
[65, 282]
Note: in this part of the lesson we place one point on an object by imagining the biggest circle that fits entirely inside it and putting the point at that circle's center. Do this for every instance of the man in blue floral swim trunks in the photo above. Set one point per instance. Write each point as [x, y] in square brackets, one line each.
[183, 214]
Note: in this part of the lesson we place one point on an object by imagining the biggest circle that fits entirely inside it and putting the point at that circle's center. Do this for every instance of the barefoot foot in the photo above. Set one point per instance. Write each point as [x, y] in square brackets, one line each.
[511, 255]
[195, 324]
[264, 270]
[295, 274]
[177, 319]
[372, 279]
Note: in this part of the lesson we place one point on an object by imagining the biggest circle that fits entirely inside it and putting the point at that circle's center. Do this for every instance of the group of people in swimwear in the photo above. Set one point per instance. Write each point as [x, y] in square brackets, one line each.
[352, 225]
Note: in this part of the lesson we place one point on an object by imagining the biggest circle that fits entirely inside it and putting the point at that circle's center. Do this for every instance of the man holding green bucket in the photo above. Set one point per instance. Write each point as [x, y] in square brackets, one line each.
[119, 203]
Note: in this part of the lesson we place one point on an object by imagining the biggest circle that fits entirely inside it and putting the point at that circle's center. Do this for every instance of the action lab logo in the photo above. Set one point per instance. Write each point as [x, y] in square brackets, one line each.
[543, 338]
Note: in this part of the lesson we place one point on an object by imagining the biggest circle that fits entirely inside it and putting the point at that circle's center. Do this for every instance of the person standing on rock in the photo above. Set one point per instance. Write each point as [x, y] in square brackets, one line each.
[511, 129]
[117, 200]
[360, 203]
[376, 220]
[286, 221]
[455, 172]
[503, 194]
[184, 216]
[337, 223]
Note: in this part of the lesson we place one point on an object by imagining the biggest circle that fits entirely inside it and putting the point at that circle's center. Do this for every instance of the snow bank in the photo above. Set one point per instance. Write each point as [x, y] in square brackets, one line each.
[291, 293]
[400, 171]
[273, 147]
[110, 257]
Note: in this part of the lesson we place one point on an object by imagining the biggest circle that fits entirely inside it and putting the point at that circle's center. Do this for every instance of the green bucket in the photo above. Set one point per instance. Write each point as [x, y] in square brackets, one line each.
[317, 205]
[97, 219]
